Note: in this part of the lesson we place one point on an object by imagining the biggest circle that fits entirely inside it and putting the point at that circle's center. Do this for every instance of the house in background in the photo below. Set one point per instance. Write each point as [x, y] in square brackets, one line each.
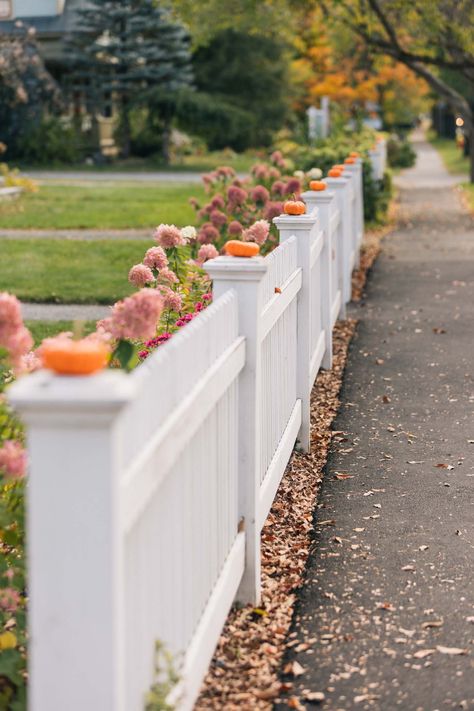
[53, 20]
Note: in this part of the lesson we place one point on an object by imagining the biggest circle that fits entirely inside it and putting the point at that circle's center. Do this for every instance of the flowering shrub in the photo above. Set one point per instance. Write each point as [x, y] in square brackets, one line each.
[244, 209]
[15, 344]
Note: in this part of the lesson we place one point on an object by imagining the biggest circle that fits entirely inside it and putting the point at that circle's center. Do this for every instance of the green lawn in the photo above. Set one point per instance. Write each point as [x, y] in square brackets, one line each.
[452, 156]
[455, 162]
[110, 206]
[196, 162]
[68, 271]
[46, 329]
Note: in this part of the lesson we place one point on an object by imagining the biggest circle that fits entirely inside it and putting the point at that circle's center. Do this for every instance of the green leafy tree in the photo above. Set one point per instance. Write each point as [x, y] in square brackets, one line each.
[250, 73]
[123, 49]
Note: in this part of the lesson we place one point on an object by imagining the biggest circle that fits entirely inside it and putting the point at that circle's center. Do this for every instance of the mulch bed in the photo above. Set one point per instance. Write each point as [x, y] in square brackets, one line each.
[244, 673]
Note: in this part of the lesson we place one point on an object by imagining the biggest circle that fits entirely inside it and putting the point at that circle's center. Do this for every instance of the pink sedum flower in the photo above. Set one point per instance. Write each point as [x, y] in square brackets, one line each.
[260, 194]
[217, 203]
[258, 232]
[218, 218]
[140, 275]
[207, 234]
[155, 258]
[136, 317]
[293, 186]
[168, 236]
[278, 188]
[12, 460]
[235, 228]
[237, 196]
[272, 209]
[207, 251]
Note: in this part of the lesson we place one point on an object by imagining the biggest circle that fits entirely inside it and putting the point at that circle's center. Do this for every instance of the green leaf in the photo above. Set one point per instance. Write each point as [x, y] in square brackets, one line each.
[124, 353]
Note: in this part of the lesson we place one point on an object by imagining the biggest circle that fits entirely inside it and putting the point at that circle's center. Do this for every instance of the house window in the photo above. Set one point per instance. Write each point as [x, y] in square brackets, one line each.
[5, 9]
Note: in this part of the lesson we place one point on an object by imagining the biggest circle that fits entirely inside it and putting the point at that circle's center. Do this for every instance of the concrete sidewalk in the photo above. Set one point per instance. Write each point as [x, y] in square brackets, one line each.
[385, 617]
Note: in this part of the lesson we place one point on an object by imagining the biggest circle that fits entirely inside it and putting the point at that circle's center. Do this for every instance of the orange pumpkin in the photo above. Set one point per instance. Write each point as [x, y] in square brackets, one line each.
[339, 166]
[237, 248]
[335, 173]
[349, 161]
[75, 357]
[317, 185]
[294, 207]
[354, 154]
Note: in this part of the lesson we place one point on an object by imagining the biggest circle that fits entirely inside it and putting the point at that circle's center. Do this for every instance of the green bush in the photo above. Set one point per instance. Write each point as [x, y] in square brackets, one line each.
[400, 153]
[49, 142]
[218, 122]
[333, 150]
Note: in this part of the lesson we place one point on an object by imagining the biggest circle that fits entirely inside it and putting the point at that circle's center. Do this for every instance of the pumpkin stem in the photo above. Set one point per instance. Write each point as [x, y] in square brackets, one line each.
[78, 330]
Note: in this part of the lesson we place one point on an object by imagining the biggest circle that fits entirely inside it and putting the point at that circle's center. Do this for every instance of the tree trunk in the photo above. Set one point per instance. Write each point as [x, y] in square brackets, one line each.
[470, 138]
[166, 142]
[126, 129]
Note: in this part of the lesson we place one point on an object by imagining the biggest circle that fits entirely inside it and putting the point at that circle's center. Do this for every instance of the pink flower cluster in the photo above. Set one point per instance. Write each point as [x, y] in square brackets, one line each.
[136, 317]
[14, 336]
[12, 460]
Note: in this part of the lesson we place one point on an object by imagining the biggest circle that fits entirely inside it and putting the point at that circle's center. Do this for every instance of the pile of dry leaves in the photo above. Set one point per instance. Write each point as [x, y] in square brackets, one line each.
[244, 671]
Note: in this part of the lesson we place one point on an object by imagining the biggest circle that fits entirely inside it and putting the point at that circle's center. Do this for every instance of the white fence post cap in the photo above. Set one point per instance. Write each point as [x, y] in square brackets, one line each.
[91, 398]
[236, 268]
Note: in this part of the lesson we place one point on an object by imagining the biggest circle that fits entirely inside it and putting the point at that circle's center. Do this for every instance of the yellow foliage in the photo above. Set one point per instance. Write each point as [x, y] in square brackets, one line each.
[7, 640]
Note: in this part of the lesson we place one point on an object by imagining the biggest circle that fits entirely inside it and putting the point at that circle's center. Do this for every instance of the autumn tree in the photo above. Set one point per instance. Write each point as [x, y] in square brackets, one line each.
[433, 38]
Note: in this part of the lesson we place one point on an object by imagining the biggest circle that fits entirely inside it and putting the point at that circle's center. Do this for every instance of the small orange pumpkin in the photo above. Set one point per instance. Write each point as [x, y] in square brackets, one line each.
[75, 357]
[294, 207]
[317, 185]
[335, 173]
[339, 166]
[237, 248]
[349, 161]
[354, 154]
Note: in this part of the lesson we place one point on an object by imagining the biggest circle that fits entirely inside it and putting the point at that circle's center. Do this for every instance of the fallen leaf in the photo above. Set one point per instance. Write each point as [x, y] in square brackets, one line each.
[270, 693]
[408, 567]
[432, 623]
[341, 476]
[294, 703]
[407, 633]
[422, 461]
[358, 530]
[422, 653]
[451, 650]
[439, 330]
[329, 522]
[294, 668]
[444, 466]
[385, 400]
[423, 548]
[470, 619]
[314, 696]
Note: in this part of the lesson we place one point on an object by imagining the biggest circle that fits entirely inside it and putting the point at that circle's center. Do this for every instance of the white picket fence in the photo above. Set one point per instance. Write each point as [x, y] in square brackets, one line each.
[148, 491]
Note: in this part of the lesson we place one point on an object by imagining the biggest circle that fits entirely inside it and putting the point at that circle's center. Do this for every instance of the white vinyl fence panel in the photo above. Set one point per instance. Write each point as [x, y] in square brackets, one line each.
[148, 491]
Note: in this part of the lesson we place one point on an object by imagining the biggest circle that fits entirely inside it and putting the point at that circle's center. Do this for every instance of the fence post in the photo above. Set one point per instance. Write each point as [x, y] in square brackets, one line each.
[322, 201]
[356, 170]
[75, 575]
[340, 186]
[245, 277]
[302, 227]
